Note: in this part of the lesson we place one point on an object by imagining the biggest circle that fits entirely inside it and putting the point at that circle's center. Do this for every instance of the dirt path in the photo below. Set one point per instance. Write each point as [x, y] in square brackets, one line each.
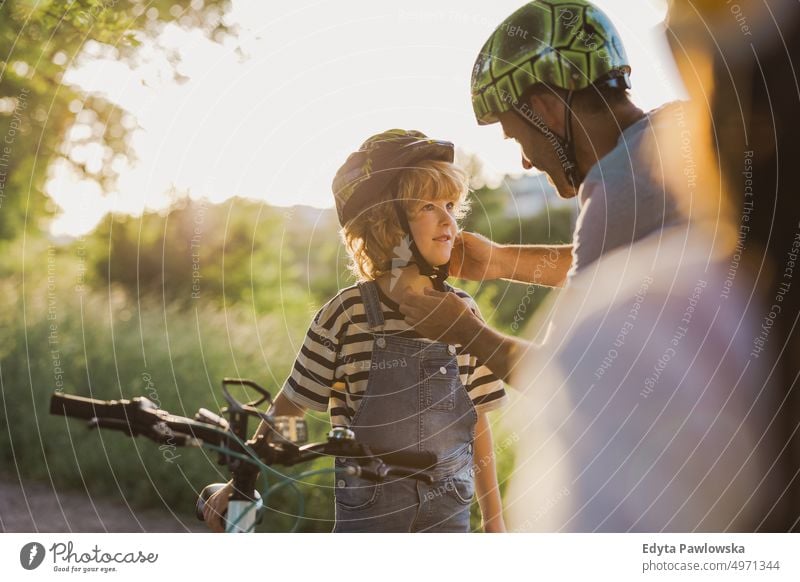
[46, 511]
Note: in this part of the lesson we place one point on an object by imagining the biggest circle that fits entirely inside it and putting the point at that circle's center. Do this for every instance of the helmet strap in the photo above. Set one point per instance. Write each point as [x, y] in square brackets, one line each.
[567, 143]
[437, 274]
[572, 172]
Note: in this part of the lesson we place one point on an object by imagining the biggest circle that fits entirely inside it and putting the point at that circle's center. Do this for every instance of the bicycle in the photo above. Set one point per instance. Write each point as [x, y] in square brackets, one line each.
[283, 444]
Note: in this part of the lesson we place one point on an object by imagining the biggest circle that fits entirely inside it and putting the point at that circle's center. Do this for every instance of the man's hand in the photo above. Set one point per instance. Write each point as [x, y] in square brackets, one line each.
[439, 316]
[474, 257]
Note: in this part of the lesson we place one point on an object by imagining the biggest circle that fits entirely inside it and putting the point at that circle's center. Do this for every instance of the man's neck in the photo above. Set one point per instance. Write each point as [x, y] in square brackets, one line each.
[601, 133]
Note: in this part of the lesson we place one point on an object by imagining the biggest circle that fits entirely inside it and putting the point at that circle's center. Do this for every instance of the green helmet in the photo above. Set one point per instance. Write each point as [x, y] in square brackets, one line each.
[566, 44]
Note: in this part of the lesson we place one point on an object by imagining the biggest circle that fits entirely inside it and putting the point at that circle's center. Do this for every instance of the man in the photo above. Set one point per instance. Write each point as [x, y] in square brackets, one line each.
[555, 76]
[653, 408]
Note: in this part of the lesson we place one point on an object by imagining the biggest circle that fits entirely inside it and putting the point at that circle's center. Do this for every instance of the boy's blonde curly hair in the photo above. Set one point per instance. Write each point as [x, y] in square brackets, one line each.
[373, 238]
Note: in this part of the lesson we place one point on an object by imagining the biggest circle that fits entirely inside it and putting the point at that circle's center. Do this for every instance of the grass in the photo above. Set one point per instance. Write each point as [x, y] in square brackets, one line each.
[57, 334]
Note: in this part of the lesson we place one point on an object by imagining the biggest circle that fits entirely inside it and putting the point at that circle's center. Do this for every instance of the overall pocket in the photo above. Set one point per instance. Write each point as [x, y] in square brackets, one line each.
[353, 492]
[440, 383]
[462, 487]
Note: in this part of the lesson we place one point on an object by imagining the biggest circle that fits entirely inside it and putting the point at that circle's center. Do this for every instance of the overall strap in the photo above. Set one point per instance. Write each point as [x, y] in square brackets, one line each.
[372, 305]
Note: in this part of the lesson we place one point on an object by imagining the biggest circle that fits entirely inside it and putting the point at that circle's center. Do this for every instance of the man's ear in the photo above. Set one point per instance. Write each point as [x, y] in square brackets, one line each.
[550, 106]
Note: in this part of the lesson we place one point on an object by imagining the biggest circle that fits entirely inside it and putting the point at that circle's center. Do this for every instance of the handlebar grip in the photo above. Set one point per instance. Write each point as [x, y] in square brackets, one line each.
[410, 459]
[78, 406]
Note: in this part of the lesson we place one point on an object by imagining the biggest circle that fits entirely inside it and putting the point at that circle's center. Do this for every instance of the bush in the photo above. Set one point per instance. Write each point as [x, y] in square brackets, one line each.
[105, 345]
[67, 323]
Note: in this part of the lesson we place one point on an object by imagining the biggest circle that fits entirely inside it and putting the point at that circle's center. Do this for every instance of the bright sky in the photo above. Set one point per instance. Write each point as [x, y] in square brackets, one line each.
[318, 78]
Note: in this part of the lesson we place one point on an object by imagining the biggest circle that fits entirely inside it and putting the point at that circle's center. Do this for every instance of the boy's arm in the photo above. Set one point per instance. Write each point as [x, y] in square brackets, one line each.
[486, 487]
[281, 406]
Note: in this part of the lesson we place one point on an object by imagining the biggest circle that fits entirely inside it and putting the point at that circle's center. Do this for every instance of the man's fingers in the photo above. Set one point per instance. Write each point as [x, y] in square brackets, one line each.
[434, 293]
[410, 304]
[415, 303]
[457, 254]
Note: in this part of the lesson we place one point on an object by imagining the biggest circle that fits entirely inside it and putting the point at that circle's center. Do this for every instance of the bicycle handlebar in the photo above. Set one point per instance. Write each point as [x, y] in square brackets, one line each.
[244, 458]
[140, 416]
[88, 408]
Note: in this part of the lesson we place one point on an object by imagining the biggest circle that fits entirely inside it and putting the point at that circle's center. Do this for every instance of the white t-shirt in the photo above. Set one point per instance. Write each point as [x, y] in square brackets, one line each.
[624, 196]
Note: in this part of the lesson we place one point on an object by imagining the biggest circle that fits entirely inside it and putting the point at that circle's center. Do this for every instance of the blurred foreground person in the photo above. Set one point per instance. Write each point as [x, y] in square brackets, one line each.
[664, 399]
[751, 50]
[645, 410]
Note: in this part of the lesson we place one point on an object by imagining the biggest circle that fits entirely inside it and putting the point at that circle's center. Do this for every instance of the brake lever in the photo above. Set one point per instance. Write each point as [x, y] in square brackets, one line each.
[237, 406]
[208, 417]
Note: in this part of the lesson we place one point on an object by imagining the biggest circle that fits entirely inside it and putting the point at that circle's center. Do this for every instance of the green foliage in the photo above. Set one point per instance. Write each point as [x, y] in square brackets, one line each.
[38, 42]
[237, 253]
[58, 334]
[112, 315]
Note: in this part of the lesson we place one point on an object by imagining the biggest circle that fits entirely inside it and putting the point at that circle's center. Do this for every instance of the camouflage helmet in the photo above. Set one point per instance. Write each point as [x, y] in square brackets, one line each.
[367, 175]
[566, 44]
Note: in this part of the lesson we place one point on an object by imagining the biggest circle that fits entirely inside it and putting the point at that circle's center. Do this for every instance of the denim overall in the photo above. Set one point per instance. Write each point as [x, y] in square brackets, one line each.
[414, 401]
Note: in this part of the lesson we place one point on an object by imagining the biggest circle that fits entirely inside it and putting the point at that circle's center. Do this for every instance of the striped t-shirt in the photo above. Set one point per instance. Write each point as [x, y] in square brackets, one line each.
[332, 368]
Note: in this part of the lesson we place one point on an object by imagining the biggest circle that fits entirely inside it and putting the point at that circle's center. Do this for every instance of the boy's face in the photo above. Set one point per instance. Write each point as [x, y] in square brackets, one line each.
[434, 229]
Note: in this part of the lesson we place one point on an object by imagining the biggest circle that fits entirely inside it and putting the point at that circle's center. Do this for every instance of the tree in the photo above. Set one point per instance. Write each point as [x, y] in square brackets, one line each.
[39, 41]
[237, 252]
